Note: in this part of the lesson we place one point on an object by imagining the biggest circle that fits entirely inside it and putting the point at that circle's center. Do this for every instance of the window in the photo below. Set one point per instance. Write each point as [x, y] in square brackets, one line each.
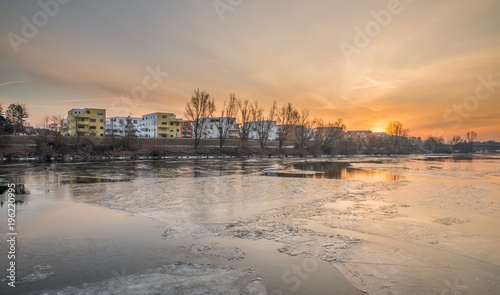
[164, 116]
[101, 127]
[92, 120]
[101, 120]
[99, 113]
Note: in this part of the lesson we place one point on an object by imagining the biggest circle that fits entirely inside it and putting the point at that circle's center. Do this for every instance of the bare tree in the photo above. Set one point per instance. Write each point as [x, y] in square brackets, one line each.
[227, 118]
[327, 135]
[456, 139]
[471, 136]
[17, 114]
[287, 117]
[302, 132]
[55, 125]
[245, 114]
[263, 124]
[198, 110]
[397, 132]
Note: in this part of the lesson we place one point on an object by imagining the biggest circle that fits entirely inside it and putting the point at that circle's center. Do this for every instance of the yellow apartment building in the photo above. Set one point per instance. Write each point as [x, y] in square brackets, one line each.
[90, 122]
[160, 125]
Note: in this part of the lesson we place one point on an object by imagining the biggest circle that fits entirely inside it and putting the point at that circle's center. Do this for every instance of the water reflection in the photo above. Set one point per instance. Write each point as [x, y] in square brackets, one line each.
[336, 170]
[20, 189]
[83, 179]
[454, 158]
[20, 192]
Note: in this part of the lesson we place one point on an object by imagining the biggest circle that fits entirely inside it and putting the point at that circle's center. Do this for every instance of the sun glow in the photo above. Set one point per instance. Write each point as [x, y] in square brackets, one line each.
[379, 127]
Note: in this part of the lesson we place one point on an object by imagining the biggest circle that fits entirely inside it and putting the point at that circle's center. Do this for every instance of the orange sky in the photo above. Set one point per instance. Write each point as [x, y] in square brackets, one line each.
[426, 65]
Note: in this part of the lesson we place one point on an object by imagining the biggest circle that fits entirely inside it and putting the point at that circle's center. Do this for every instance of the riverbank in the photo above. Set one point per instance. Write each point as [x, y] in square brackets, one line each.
[73, 149]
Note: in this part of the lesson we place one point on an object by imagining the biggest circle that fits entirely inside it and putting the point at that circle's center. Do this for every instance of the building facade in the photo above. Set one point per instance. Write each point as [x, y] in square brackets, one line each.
[210, 128]
[160, 125]
[117, 126]
[86, 122]
[257, 127]
[187, 129]
[358, 134]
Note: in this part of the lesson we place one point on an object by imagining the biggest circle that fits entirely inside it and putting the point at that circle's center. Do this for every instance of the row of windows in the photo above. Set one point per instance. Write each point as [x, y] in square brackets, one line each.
[80, 112]
[162, 129]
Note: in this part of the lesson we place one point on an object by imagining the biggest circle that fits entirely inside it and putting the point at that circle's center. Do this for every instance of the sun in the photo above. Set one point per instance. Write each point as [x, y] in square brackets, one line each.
[379, 126]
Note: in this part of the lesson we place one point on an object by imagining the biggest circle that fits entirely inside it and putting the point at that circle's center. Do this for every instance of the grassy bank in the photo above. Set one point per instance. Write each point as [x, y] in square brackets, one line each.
[51, 147]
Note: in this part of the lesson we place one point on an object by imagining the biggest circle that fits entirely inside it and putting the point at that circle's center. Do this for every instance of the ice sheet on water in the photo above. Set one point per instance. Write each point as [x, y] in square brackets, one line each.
[178, 278]
[40, 273]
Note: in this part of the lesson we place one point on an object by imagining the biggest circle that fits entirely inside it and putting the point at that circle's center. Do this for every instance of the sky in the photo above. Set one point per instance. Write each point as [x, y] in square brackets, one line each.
[432, 65]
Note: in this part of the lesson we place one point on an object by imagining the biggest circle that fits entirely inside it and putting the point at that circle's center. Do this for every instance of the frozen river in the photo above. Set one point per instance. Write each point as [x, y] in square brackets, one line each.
[408, 225]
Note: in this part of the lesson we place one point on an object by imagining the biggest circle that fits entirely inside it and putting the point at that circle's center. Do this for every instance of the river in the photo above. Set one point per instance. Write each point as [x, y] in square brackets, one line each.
[402, 225]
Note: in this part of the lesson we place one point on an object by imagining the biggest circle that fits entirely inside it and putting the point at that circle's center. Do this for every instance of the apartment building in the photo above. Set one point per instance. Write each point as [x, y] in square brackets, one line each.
[86, 122]
[266, 128]
[210, 128]
[117, 126]
[358, 134]
[160, 125]
[187, 129]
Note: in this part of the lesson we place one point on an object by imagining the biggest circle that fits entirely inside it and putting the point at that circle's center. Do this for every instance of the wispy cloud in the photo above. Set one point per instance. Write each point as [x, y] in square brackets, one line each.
[14, 82]
[78, 100]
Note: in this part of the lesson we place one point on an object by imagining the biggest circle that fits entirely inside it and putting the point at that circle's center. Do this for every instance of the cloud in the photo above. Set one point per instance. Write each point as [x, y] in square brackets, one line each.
[14, 82]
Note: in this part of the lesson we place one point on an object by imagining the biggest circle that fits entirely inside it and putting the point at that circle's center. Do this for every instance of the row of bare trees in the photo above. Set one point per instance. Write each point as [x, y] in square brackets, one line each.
[250, 117]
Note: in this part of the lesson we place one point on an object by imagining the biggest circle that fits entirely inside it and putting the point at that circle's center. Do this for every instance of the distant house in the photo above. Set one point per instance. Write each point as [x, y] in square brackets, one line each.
[30, 131]
[380, 134]
[42, 131]
[358, 134]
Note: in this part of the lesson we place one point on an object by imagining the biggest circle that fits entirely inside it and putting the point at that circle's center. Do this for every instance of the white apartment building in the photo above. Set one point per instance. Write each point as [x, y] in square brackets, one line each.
[210, 127]
[116, 126]
[160, 125]
[254, 126]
